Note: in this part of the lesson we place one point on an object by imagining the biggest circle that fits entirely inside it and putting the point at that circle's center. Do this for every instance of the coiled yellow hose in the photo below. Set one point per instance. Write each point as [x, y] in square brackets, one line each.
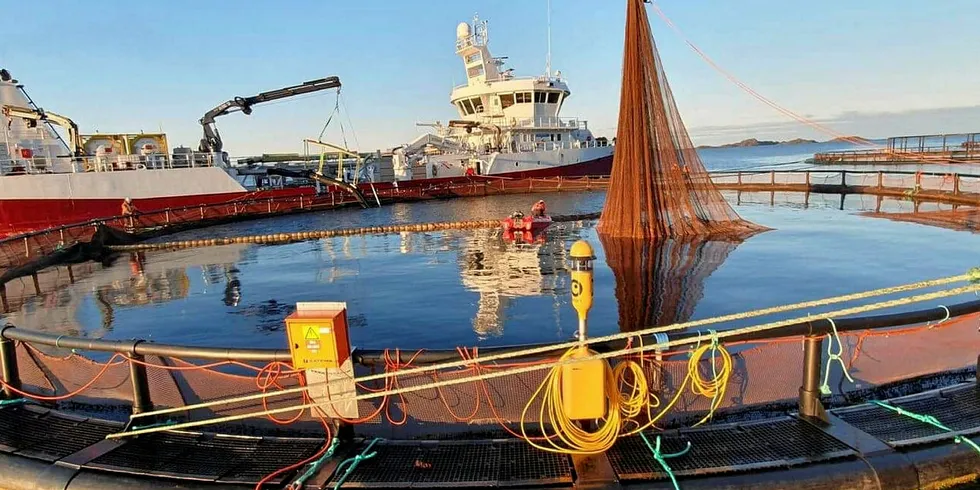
[628, 396]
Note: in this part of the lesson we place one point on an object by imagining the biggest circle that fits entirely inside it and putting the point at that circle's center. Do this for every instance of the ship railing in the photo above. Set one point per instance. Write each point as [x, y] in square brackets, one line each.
[40, 164]
[545, 122]
[507, 78]
[561, 145]
[155, 161]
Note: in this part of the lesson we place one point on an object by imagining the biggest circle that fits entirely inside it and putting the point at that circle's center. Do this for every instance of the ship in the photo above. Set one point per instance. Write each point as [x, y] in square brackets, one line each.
[46, 181]
[508, 128]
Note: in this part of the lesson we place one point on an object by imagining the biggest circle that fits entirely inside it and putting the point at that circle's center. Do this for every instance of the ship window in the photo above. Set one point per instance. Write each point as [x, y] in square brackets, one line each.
[467, 107]
[506, 100]
[540, 97]
[473, 58]
[523, 97]
[477, 104]
[476, 71]
[553, 97]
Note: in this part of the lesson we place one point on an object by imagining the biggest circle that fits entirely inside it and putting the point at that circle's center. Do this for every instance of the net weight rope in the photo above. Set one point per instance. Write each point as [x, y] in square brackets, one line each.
[527, 369]
[972, 275]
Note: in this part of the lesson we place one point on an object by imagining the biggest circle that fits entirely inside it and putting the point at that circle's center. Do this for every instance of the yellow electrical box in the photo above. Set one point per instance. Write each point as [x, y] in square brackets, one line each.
[583, 384]
[318, 335]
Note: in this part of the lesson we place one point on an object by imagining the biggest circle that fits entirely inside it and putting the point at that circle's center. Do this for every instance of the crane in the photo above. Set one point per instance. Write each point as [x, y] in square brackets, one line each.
[35, 115]
[211, 143]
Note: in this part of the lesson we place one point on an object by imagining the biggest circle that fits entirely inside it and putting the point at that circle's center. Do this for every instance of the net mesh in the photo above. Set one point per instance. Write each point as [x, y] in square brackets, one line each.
[658, 188]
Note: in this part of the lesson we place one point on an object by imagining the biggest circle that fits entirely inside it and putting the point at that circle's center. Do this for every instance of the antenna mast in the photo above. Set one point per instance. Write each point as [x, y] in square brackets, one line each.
[548, 61]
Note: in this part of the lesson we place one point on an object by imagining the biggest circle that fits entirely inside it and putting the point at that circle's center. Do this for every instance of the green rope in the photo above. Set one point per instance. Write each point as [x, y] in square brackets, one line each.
[296, 485]
[714, 369]
[351, 463]
[15, 401]
[974, 274]
[158, 424]
[833, 356]
[662, 458]
[928, 419]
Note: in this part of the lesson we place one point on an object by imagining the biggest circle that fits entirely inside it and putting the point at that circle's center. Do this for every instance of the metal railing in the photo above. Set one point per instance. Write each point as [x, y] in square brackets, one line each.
[809, 402]
[110, 163]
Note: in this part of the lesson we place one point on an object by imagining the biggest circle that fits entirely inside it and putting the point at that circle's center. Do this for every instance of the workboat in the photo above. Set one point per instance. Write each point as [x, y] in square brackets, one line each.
[508, 126]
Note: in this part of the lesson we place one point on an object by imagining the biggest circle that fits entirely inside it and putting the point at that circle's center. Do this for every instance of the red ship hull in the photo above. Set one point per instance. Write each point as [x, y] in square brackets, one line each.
[21, 215]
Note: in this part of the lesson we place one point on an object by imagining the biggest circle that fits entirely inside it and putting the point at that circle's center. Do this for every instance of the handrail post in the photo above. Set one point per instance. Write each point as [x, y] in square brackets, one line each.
[843, 178]
[881, 179]
[809, 403]
[8, 368]
[141, 385]
[956, 184]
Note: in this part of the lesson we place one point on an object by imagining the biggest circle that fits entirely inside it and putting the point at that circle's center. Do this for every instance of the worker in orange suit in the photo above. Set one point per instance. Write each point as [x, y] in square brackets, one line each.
[128, 211]
[538, 209]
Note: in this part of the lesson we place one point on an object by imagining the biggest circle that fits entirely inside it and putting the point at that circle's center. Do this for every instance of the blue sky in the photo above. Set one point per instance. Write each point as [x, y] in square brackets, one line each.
[874, 67]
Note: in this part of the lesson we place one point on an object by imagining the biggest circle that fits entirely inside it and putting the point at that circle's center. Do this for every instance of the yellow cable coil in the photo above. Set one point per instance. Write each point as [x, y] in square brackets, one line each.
[628, 396]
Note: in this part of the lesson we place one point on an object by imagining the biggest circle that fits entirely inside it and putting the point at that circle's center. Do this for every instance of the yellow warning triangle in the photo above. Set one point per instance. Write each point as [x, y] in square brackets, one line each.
[311, 334]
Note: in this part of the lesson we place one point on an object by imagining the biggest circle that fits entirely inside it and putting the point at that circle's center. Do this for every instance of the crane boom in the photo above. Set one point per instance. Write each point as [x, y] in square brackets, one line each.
[28, 114]
[211, 142]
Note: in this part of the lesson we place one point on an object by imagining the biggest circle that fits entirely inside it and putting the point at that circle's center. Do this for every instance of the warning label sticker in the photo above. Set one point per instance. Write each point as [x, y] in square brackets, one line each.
[312, 334]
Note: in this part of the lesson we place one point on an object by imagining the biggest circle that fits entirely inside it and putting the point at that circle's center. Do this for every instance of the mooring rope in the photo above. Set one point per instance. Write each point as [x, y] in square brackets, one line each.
[931, 420]
[662, 458]
[510, 372]
[313, 235]
[351, 464]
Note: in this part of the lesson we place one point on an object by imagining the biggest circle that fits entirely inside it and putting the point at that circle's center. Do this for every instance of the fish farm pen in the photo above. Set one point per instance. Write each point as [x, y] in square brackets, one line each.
[847, 398]
[959, 148]
[862, 372]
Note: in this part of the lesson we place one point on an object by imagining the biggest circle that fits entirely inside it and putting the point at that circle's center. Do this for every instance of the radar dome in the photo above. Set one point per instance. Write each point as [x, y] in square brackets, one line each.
[462, 30]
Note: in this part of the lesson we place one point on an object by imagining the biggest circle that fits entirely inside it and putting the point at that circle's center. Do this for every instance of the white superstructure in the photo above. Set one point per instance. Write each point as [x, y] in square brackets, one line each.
[506, 124]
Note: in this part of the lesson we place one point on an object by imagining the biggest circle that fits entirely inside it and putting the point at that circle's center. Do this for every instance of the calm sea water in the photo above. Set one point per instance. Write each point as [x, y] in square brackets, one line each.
[444, 289]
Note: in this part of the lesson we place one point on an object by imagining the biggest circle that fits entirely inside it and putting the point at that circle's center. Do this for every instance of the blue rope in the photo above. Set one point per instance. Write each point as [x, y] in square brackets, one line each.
[928, 419]
[833, 356]
[662, 458]
[15, 401]
[298, 484]
[150, 426]
[351, 463]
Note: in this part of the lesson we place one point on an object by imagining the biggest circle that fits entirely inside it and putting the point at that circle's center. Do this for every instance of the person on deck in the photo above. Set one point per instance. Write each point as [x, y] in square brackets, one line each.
[538, 209]
[470, 171]
[128, 211]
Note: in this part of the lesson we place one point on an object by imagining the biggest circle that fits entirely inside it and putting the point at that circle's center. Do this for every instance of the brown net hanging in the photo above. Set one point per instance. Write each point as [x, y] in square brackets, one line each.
[659, 187]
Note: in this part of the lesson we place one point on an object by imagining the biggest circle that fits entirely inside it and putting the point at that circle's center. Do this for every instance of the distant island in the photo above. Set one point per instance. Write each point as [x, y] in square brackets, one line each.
[797, 141]
[755, 142]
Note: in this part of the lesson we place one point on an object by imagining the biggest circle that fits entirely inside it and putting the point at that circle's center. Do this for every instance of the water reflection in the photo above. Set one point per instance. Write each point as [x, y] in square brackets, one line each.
[502, 270]
[660, 283]
[128, 281]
